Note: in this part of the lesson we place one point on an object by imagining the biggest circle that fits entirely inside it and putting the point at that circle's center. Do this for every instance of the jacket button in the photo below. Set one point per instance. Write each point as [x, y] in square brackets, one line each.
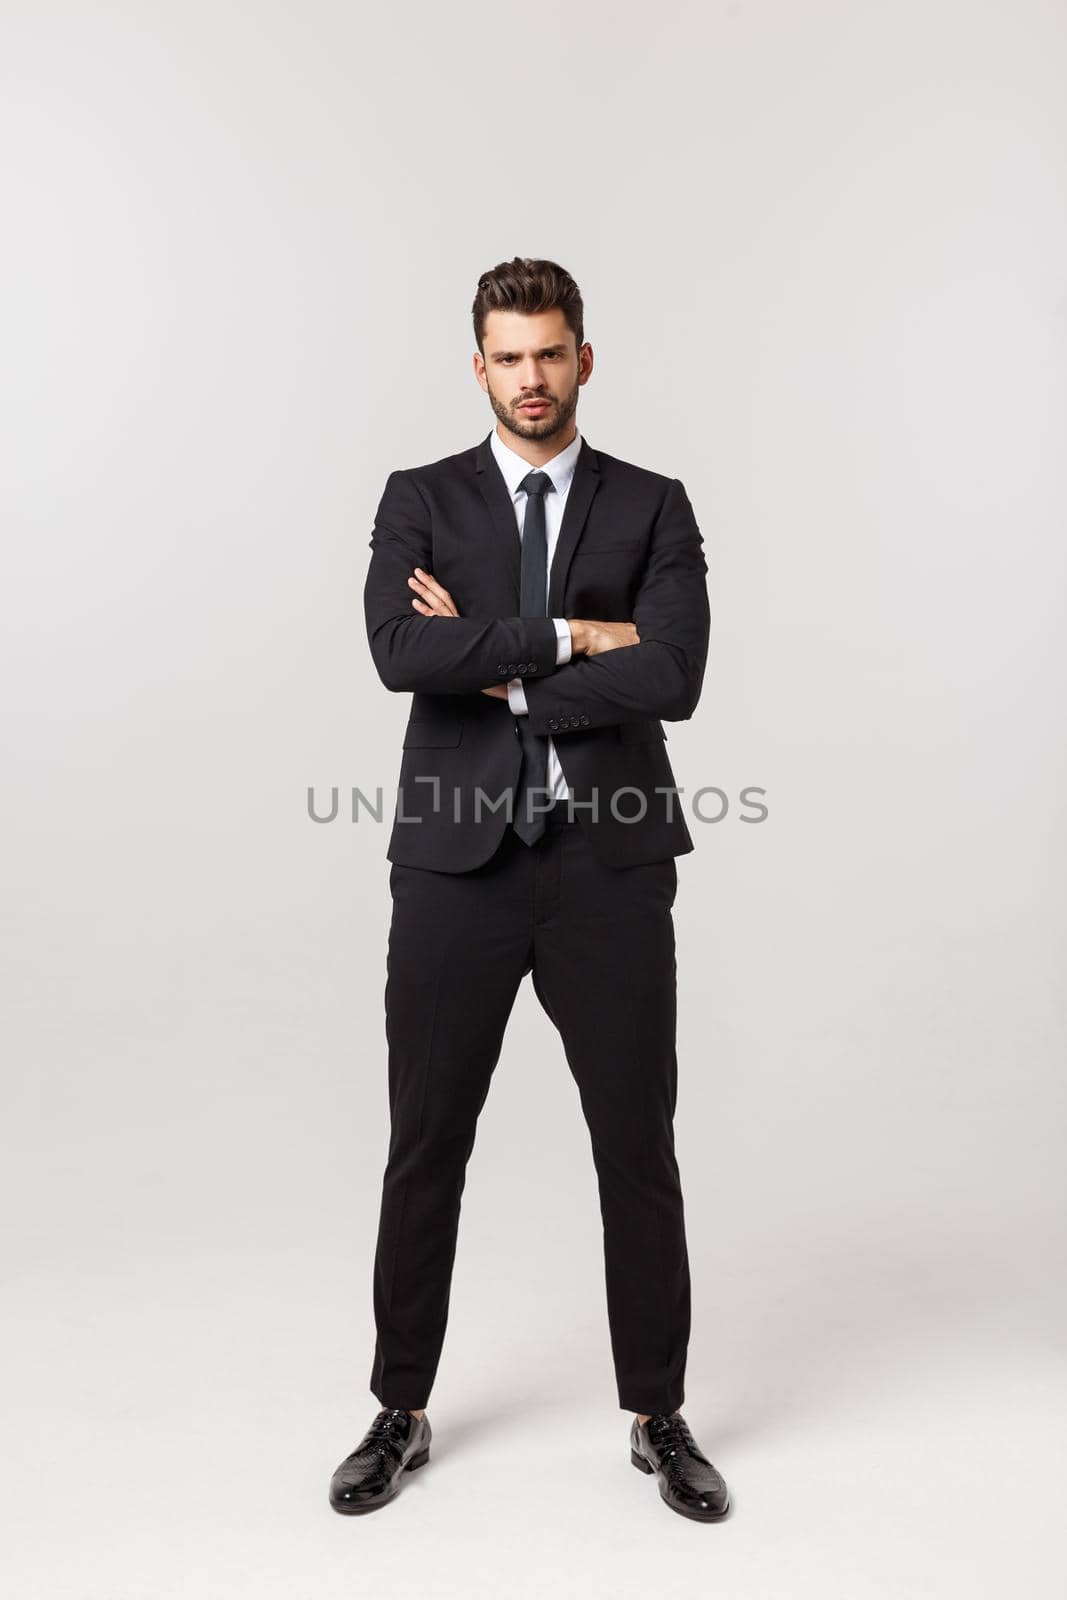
[521, 667]
[531, 666]
[500, 669]
[576, 722]
[553, 724]
[584, 721]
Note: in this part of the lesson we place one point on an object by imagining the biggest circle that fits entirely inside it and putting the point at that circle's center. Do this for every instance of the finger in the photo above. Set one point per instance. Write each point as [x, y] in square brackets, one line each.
[430, 599]
[439, 598]
[439, 589]
[429, 581]
[432, 588]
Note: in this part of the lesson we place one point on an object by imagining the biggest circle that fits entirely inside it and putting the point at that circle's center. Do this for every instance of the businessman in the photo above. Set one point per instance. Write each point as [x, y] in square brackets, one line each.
[545, 606]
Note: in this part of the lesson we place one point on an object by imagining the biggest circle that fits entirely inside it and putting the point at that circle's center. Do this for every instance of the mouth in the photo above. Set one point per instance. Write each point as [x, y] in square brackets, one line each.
[534, 406]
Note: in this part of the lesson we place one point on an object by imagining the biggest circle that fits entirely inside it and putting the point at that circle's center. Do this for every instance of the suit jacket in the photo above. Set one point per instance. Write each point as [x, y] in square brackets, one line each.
[629, 549]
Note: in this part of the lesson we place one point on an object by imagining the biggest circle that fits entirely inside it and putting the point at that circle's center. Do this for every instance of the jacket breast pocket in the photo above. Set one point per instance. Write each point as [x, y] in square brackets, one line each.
[423, 734]
[610, 547]
[640, 732]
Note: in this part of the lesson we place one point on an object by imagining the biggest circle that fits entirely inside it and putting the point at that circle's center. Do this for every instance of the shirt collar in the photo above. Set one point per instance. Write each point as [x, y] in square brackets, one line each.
[515, 467]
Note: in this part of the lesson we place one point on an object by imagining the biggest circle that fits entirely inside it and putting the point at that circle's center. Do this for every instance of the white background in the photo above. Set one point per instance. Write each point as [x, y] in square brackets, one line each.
[822, 249]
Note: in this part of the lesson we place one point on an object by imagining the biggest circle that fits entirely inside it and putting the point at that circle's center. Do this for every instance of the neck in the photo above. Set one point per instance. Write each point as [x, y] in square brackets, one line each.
[537, 451]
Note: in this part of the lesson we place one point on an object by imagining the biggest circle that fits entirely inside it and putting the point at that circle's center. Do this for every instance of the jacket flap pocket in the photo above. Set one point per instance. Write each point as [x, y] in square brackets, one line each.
[434, 734]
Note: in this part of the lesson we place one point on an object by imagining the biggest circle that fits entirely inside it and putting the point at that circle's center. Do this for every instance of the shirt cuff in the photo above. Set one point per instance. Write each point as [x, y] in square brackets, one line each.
[563, 641]
[517, 698]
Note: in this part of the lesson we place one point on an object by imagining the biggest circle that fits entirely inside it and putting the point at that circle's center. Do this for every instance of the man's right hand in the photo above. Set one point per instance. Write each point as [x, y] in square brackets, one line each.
[593, 638]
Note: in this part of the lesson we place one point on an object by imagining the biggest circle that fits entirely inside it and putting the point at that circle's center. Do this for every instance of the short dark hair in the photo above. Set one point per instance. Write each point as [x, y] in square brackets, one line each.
[529, 286]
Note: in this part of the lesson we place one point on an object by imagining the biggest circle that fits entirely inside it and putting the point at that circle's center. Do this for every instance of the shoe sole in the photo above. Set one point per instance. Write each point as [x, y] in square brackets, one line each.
[712, 1516]
[419, 1460]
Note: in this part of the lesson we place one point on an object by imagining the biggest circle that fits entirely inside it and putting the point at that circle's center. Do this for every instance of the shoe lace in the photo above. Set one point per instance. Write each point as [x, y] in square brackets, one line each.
[671, 1437]
[386, 1431]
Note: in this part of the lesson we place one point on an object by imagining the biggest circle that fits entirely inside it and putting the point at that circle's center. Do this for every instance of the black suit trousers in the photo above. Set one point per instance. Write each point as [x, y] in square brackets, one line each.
[599, 942]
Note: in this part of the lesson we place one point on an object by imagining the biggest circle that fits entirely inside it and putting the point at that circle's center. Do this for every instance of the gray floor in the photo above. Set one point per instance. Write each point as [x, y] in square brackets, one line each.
[187, 1339]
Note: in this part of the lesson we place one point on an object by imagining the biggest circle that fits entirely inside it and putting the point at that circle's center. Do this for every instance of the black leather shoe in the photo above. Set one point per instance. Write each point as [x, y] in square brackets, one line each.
[687, 1480]
[395, 1443]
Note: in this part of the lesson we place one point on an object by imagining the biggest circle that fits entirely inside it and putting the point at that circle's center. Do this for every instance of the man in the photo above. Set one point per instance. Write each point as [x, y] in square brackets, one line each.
[545, 605]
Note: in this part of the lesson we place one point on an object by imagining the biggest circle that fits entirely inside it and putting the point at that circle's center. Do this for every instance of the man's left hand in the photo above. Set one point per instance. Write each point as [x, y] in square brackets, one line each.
[435, 601]
[431, 599]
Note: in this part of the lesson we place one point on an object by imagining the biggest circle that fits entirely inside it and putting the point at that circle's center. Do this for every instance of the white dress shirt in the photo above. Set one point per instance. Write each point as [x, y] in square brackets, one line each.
[561, 470]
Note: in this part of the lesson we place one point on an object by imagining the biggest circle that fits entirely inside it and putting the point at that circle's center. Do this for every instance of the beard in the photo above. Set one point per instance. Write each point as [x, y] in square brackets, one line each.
[554, 421]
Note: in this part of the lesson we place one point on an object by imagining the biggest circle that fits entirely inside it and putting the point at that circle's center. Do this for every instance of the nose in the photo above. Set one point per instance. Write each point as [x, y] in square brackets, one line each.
[530, 380]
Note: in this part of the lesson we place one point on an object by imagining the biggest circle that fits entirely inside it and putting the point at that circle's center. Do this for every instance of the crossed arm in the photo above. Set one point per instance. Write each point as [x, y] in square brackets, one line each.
[650, 666]
[586, 638]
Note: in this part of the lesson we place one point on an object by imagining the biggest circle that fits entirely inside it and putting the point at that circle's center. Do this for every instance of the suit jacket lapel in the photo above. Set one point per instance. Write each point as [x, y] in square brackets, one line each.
[498, 500]
[494, 491]
[583, 487]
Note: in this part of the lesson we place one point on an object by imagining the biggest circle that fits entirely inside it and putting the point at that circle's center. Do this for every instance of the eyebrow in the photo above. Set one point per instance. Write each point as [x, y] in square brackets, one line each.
[548, 349]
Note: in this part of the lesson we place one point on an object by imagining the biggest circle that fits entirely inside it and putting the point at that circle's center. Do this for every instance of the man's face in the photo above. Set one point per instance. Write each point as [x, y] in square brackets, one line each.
[528, 359]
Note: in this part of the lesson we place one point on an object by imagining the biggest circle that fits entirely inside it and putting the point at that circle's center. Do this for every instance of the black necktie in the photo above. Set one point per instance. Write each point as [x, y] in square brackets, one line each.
[533, 776]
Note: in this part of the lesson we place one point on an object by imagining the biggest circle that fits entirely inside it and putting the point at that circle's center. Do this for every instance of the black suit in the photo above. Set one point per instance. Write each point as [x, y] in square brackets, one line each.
[629, 550]
[586, 910]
